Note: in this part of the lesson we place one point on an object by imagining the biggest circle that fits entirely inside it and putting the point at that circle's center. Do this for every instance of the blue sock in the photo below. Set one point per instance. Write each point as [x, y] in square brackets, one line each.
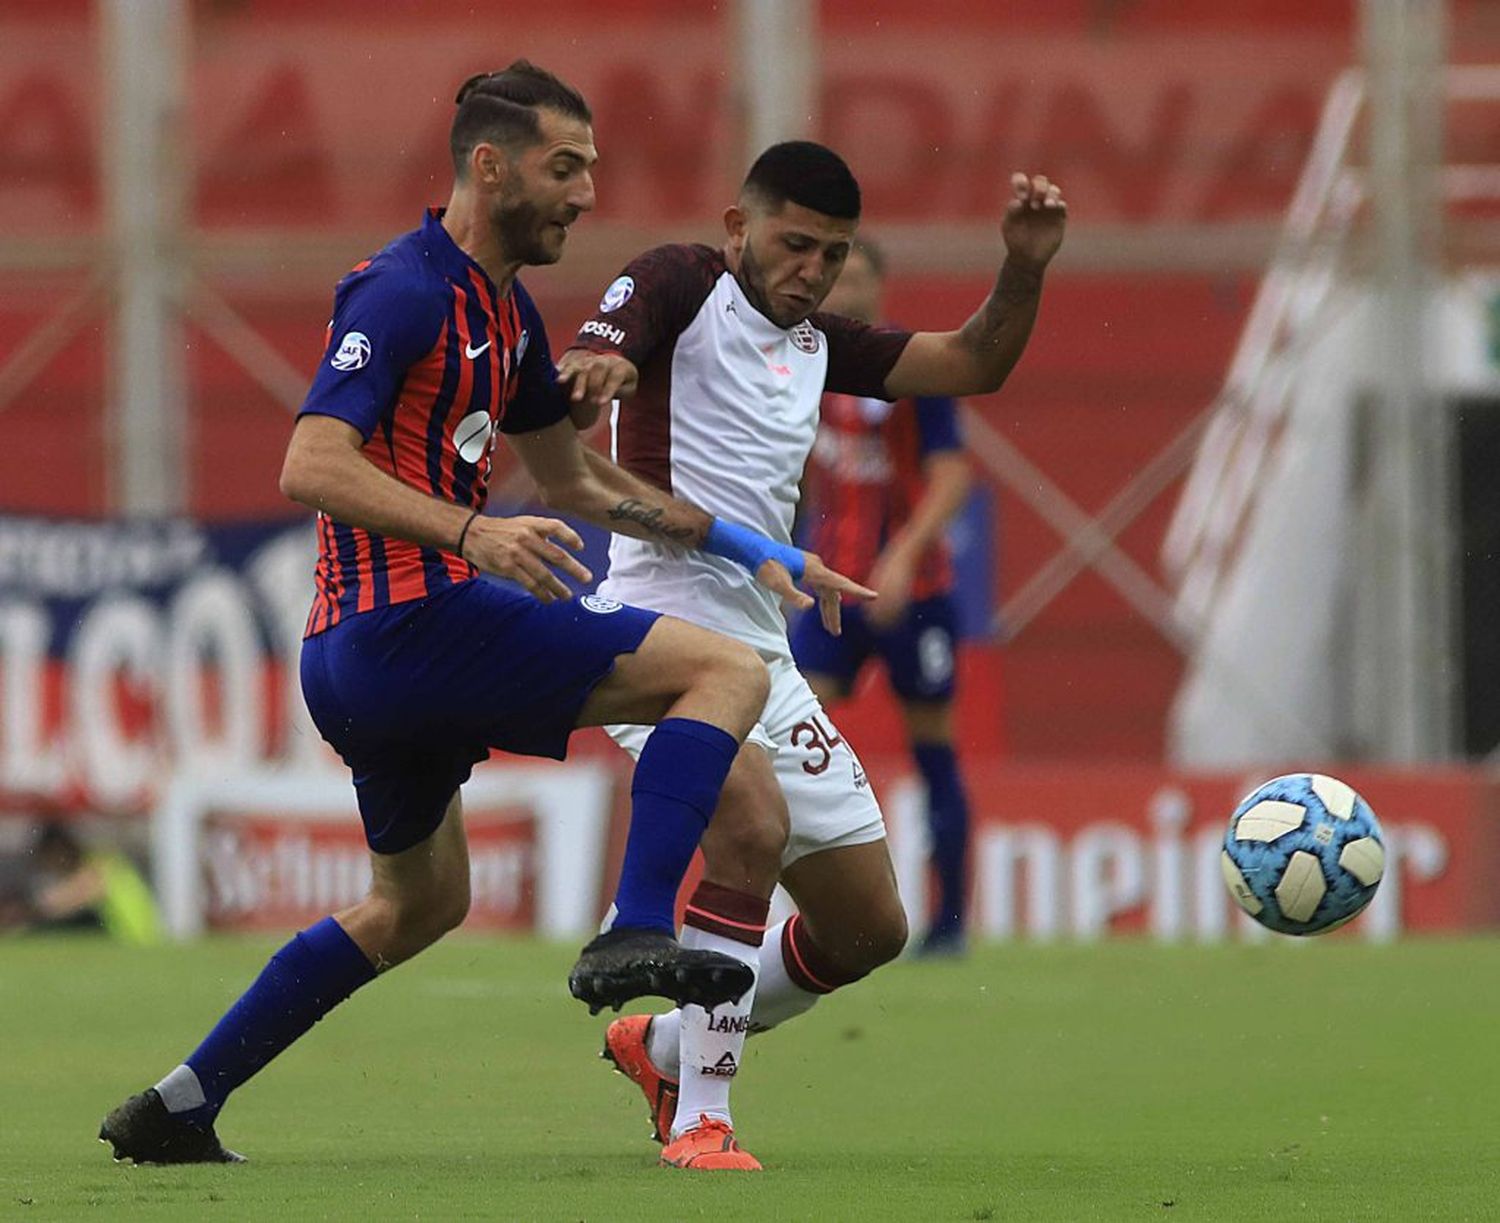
[305, 980]
[948, 822]
[673, 795]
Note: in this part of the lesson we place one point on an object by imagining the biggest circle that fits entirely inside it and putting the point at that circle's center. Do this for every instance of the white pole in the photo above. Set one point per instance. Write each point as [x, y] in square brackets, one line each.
[144, 49]
[779, 71]
[1405, 571]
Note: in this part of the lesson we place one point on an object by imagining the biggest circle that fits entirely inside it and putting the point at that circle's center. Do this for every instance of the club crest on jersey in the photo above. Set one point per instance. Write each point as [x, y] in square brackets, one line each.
[617, 294]
[354, 351]
[521, 346]
[600, 605]
[471, 436]
[805, 336]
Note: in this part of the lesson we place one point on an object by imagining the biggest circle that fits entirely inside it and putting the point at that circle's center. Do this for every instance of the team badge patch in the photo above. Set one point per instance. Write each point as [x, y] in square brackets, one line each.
[805, 336]
[617, 294]
[521, 346]
[353, 353]
[601, 605]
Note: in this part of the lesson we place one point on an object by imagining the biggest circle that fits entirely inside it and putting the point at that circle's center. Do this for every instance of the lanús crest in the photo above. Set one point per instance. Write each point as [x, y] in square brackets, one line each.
[805, 337]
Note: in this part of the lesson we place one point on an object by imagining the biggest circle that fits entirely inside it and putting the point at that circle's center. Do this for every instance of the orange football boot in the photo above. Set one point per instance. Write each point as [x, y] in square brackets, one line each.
[625, 1046]
[709, 1145]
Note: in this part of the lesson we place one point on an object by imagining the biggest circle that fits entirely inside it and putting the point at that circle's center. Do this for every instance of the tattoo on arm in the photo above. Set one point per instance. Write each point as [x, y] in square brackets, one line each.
[652, 519]
[1017, 289]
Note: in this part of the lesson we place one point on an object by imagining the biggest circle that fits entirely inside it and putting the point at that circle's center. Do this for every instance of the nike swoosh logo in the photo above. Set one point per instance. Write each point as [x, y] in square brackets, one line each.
[471, 352]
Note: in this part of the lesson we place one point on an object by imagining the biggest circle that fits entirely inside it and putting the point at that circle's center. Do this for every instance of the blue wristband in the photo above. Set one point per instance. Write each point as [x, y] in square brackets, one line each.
[751, 549]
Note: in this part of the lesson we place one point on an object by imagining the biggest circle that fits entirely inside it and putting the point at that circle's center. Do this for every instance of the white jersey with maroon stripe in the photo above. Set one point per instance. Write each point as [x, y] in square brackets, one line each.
[724, 418]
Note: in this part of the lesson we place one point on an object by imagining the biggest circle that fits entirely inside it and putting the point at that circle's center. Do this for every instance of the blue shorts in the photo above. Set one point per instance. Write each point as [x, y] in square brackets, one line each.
[412, 696]
[917, 649]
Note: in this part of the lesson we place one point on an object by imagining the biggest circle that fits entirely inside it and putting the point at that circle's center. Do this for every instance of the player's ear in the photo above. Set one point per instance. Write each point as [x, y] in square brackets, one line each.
[487, 165]
[736, 224]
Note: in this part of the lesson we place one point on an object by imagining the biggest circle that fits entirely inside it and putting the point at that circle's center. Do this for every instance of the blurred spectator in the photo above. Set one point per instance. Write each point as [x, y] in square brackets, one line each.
[73, 887]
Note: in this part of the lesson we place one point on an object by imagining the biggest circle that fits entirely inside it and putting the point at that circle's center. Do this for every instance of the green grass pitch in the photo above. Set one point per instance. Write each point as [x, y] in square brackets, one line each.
[1328, 1081]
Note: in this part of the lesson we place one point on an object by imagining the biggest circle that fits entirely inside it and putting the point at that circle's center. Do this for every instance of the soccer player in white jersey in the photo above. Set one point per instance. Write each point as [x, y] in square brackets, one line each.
[719, 359]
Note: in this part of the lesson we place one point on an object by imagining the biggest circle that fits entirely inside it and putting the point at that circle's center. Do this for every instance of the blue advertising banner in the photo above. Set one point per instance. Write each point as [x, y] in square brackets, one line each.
[129, 649]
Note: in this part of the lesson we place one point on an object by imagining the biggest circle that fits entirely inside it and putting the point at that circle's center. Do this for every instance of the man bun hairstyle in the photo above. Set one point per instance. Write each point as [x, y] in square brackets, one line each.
[501, 108]
[804, 173]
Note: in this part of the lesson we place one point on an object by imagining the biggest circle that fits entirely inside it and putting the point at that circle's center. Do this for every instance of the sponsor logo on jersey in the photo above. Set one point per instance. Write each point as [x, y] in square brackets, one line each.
[725, 1068]
[617, 294]
[471, 436]
[805, 336]
[769, 351]
[353, 353]
[599, 604]
[599, 328]
[471, 352]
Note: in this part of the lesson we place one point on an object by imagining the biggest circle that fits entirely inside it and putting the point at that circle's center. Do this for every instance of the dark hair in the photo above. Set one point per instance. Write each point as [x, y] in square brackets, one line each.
[55, 837]
[501, 107]
[873, 252]
[807, 174]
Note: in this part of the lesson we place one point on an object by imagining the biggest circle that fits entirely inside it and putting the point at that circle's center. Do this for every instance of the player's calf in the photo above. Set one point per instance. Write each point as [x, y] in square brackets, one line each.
[745, 840]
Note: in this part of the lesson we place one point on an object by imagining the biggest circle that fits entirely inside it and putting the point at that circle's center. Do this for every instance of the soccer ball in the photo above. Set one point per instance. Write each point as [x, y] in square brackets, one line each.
[1303, 854]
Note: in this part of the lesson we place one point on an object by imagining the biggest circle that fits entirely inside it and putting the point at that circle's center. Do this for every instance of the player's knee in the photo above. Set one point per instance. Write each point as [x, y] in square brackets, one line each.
[739, 671]
[748, 834]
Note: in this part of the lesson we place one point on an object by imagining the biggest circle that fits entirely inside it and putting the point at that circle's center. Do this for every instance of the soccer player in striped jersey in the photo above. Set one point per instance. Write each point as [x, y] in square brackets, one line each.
[883, 483]
[413, 669]
[729, 357]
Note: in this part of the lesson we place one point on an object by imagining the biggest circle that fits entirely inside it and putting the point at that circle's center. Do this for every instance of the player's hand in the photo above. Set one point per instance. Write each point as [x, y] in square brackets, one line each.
[828, 588]
[594, 380]
[522, 549]
[1034, 221]
[892, 575]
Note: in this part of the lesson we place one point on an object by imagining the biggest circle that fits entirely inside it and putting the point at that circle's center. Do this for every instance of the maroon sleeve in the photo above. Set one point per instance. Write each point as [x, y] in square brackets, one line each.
[651, 302]
[860, 356]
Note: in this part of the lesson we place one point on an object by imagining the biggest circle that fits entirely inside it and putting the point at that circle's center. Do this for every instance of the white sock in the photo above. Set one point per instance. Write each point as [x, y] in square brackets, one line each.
[777, 999]
[710, 1043]
[662, 1043]
[181, 1091]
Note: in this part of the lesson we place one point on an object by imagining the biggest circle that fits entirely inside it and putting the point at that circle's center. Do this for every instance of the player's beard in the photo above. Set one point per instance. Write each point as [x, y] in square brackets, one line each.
[521, 228]
[753, 282]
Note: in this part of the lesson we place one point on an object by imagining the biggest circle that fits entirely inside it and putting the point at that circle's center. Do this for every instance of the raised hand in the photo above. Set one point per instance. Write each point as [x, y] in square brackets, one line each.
[1035, 219]
[522, 550]
[828, 587]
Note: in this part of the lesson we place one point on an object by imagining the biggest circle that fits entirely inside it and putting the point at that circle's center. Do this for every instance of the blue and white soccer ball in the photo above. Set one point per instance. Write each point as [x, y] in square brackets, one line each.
[1303, 854]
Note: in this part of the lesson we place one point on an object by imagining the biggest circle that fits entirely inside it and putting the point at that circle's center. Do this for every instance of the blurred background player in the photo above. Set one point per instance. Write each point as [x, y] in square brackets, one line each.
[883, 483]
[729, 360]
[413, 670]
[72, 885]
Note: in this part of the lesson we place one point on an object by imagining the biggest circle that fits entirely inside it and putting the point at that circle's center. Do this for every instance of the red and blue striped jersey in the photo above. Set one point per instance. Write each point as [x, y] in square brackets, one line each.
[427, 361]
[865, 478]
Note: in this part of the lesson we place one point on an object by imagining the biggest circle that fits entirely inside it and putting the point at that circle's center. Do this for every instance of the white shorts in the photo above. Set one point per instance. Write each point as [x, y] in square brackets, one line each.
[827, 793]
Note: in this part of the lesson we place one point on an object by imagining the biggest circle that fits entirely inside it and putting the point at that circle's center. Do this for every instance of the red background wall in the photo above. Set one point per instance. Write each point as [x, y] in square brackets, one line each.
[318, 132]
